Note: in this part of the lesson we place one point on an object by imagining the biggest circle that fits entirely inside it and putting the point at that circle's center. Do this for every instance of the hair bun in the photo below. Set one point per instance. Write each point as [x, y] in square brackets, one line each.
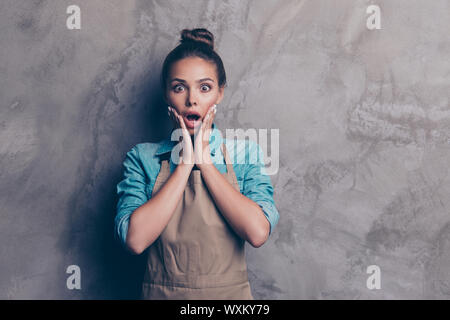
[198, 36]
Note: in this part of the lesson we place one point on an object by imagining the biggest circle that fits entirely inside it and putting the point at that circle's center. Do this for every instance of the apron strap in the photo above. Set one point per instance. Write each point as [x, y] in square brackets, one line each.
[227, 158]
[230, 170]
[164, 171]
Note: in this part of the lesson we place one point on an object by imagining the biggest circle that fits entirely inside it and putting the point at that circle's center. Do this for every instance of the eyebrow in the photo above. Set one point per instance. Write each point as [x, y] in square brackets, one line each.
[184, 81]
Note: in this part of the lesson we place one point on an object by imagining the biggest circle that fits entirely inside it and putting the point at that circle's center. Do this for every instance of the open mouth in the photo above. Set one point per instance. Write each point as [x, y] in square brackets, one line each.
[192, 117]
[192, 120]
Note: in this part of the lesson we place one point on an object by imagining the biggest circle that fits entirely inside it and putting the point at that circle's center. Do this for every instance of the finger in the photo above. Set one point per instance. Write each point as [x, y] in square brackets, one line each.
[184, 132]
[213, 116]
[208, 116]
[205, 120]
[210, 124]
[175, 112]
[182, 123]
[206, 126]
[176, 122]
[179, 119]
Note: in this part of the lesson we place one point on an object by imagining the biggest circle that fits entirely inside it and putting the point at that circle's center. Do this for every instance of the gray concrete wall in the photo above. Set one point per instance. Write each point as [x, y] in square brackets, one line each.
[363, 117]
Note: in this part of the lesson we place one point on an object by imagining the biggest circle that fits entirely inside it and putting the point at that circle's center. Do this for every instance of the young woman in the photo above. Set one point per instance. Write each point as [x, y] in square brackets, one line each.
[192, 211]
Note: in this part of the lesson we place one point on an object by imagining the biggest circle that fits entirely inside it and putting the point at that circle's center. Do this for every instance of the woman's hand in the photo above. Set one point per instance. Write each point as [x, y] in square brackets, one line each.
[202, 153]
[187, 152]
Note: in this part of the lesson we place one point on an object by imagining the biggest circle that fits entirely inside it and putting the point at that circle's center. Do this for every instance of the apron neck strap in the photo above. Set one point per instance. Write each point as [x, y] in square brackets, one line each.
[227, 158]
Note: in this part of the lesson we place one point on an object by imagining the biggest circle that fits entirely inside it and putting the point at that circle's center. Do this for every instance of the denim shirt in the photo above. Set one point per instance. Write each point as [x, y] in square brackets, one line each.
[142, 165]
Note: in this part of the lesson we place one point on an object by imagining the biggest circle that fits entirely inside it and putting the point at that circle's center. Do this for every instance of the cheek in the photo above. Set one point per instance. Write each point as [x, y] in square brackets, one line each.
[210, 99]
[175, 97]
[206, 105]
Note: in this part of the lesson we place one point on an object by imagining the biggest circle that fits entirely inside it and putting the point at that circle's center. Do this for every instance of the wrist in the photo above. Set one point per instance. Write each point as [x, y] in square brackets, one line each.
[184, 167]
[203, 160]
[205, 166]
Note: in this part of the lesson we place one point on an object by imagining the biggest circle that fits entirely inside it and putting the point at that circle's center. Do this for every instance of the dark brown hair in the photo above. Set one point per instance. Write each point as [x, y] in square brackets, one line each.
[194, 43]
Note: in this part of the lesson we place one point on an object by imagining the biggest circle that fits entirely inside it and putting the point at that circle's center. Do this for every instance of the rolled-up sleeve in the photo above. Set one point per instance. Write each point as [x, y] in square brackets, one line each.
[258, 186]
[131, 191]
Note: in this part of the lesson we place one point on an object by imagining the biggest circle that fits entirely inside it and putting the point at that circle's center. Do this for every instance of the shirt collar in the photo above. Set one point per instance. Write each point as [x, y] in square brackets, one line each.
[215, 140]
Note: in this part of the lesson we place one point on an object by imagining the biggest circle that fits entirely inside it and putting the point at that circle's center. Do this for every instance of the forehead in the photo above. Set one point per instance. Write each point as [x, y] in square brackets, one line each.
[193, 68]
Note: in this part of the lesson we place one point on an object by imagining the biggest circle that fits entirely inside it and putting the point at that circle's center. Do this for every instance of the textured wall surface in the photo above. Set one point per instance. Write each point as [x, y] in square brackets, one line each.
[364, 120]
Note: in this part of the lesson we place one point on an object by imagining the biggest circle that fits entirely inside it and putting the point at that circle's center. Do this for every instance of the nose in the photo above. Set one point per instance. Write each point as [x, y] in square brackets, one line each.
[191, 99]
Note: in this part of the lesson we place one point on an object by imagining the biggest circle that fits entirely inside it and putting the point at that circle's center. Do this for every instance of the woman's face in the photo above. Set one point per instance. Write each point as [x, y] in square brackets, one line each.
[192, 88]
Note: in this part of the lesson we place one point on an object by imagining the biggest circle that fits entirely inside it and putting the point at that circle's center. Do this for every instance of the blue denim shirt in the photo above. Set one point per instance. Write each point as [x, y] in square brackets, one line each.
[141, 167]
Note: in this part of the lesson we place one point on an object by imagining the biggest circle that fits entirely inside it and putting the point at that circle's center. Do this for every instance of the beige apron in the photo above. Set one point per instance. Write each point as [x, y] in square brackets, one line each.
[198, 255]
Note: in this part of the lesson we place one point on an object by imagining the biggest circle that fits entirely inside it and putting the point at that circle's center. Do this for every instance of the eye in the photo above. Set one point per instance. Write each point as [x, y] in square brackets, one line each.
[177, 88]
[205, 86]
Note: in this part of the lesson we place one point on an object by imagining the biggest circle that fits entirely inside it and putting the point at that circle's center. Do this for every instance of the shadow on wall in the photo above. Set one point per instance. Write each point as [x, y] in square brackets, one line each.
[116, 114]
